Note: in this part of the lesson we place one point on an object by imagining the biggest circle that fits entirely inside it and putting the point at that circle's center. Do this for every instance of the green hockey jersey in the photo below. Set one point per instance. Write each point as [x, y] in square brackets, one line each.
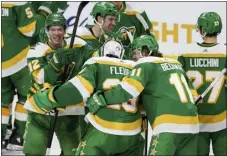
[129, 19]
[102, 73]
[38, 58]
[203, 63]
[165, 93]
[19, 22]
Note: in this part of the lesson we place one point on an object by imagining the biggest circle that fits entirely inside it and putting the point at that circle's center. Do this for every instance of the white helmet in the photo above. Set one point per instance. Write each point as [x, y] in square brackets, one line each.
[112, 48]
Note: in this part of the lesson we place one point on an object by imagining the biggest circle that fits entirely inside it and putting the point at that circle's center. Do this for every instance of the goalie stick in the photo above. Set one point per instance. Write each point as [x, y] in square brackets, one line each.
[210, 86]
[51, 132]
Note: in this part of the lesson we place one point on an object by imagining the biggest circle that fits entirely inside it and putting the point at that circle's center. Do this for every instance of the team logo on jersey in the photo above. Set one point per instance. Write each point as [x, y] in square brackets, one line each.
[123, 30]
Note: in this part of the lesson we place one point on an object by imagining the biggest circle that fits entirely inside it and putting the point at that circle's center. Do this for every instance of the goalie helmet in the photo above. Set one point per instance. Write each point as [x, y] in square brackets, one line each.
[112, 48]
[210, 23]
[55, 19]
[104, 8]
[145, 41]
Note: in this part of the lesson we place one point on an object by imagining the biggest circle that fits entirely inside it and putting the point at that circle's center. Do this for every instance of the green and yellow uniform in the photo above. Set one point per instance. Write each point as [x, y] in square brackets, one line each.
[203, 64]
[166, 94]
[39, 124]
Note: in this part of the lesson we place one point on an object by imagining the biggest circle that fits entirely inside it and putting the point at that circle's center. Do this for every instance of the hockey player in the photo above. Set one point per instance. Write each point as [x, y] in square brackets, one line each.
[19, 23]
[165, 92]
[46, 63]
[116, 127]
[203, 62]
[104, 16]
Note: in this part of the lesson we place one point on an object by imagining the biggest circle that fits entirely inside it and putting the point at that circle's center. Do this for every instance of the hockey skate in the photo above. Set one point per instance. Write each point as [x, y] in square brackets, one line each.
[15, 142]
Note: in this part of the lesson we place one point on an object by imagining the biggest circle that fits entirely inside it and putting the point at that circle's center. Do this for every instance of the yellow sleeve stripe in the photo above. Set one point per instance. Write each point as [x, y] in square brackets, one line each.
[86, 84]
[95, 54]
[51, 96]
[35, 75]
[20, 56]
[7, 5]
[20, 108]
[28, 28]
[33, 105]
[139, 87]
[5, 111]
[174, 119]
[87, 37]
[131, 12]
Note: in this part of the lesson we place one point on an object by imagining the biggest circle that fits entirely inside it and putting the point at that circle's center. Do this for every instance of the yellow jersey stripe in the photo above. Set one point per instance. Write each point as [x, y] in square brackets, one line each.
[28, 28]
[139, 87]
[20, 56]
[117, 125]
[20, 108]
[114, 63]
[88, 37]
[33, 105]
[170, 56]
[5, 111]
[175, 119]
[205, 55]
[131, 12]
[166, 61]
[212, 118]
[86, 84]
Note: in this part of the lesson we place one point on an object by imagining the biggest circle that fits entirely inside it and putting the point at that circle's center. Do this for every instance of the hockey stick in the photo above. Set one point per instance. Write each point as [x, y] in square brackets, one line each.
[210, 86]
[51, 133]
[79, 10]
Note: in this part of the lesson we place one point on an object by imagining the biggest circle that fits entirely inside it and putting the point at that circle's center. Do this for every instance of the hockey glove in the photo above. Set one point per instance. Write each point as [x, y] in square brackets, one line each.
[44, 100]
[47, 8]
[95, 102]
[62, 57]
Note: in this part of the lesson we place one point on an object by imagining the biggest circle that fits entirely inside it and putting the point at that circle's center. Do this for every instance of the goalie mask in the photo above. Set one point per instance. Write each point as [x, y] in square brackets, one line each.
[209, 23]
[145, 45]
[112, 48]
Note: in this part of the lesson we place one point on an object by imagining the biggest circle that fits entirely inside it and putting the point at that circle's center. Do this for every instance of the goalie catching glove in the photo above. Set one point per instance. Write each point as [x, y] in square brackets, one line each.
[95, 102]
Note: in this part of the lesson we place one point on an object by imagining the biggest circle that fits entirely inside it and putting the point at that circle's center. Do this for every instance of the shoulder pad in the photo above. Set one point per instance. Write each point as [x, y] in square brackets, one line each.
[110, 61]
[39, 50]
[11, 4]
[132, 8]
[152, 59]
[78, 42]
[194, 50]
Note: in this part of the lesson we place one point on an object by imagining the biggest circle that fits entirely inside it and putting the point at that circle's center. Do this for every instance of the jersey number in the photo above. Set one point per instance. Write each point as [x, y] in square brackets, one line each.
[198, 81]
[180, 83]
[129, 106]
[29, 12]
[34, 65]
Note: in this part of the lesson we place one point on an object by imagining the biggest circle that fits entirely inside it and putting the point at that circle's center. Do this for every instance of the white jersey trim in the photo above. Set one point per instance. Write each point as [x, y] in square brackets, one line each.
[111, 131]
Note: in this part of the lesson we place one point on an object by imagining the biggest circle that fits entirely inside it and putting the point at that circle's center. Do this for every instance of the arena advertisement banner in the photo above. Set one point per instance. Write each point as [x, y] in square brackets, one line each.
[173, 22]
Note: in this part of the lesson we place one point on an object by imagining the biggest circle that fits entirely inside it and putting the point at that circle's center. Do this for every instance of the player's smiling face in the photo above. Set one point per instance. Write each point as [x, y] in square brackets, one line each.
[109, 23]
[56, 34]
